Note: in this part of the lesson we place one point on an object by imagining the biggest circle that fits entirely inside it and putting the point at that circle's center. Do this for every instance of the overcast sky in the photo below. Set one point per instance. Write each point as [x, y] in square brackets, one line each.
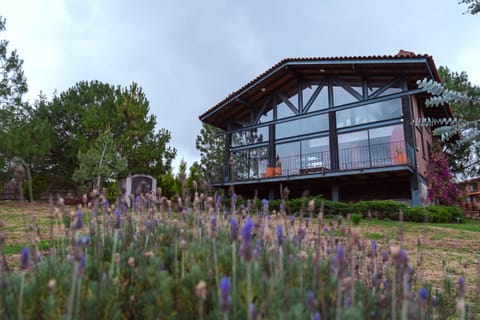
[189, 55]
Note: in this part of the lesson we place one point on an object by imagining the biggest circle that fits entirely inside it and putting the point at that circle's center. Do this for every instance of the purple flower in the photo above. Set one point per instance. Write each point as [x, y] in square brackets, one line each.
[310, 300]
[79, 222]
[306, 222]
[233, 229]
[253, 311]
[374, 248]
[105, 203]
[292, 220]
[81, 266]
[265, 203]
[384, 256]
[247, 230]
[118, 219]
[246, 245]
[282, 207]
[225, 297]
[84, 240]
[423, 294]
[280, 235]
[25, 258]
[213, 225]
[461, 287]
[317, 316]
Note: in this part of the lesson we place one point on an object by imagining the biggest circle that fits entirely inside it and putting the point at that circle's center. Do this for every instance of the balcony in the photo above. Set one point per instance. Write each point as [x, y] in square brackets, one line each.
[350, 160]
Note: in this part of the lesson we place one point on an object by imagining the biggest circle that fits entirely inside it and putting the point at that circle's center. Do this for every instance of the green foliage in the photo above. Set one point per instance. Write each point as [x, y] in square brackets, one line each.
[80, 115]
[100, 163]
[459, 135]
[356, 218]
[212, 150]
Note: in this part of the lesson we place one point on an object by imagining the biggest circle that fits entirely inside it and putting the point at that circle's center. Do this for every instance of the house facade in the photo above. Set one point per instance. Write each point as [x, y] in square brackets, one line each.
[340, 127]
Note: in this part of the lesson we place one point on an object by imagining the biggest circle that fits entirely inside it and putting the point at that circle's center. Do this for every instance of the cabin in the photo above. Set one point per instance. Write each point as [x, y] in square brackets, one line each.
[341, 127]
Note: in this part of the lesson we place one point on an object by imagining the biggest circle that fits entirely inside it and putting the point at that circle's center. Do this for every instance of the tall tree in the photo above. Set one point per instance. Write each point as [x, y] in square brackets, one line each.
[100, 163]
[81, 114]
[13, 85]
[212, 149]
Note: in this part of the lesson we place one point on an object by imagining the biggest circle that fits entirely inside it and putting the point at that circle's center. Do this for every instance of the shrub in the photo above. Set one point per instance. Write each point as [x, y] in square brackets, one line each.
[356, 217]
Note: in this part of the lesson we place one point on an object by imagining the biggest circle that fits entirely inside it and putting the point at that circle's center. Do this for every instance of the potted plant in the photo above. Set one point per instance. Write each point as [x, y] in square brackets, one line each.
[401, 156]
[278, 167]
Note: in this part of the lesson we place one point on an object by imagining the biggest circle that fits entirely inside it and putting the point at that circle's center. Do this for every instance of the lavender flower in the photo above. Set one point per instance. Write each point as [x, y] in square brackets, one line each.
[461, 287]
[280, 236]
[423, 294]
[105, 203]
[374, 248]
[79, 221]
[265, 203]
[246, 246]
[118, 219]
[253, 311]
[306, 222]
[213, 225]
[81, 266]
[25, 258]
[247, 230]
[234, 229]
[317, 316]
[310, 301]
[225, 297]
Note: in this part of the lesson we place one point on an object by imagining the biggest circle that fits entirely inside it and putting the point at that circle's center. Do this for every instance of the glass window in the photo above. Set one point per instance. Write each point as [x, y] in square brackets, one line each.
[372, 148]
[250, 163]
[266, 117]
[289, 154]
[284, 111]
[353, 150]
[320, 102]
[342, 96]
[250, 136]
[379, 111]
[316, 153]
[302, 126]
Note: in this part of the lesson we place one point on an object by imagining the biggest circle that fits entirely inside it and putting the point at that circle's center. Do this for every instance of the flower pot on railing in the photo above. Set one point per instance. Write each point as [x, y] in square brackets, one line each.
[401, 158]
[278, 171]
[270, 172]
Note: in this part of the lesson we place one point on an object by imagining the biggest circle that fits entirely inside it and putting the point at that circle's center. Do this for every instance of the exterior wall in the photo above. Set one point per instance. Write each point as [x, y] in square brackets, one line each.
[423, 140]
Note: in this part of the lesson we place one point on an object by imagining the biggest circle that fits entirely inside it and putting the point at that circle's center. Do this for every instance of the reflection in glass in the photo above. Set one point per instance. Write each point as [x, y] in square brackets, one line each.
[379, 111]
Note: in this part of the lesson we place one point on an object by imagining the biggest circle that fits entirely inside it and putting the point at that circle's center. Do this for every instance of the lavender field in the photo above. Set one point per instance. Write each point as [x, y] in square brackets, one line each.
[175, 259]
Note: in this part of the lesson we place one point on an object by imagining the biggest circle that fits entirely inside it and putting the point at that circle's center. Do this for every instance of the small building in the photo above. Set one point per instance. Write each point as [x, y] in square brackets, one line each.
[336, 126]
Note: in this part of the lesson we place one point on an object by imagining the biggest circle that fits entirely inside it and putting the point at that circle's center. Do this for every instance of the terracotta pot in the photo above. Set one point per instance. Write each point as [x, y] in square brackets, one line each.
[278, 171]
[270, 171]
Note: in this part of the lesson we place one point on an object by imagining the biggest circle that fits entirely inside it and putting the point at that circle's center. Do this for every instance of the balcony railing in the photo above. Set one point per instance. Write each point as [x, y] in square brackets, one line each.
[353, 158]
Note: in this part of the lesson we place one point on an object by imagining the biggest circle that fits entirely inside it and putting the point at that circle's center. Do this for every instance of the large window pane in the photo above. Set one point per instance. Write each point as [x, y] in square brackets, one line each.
[342, 96]
[319, 102]
[353, 150]
[250, 136]
[302, 126]
[379, 111]
[289, 154]
[316, 153]
[250, 163]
